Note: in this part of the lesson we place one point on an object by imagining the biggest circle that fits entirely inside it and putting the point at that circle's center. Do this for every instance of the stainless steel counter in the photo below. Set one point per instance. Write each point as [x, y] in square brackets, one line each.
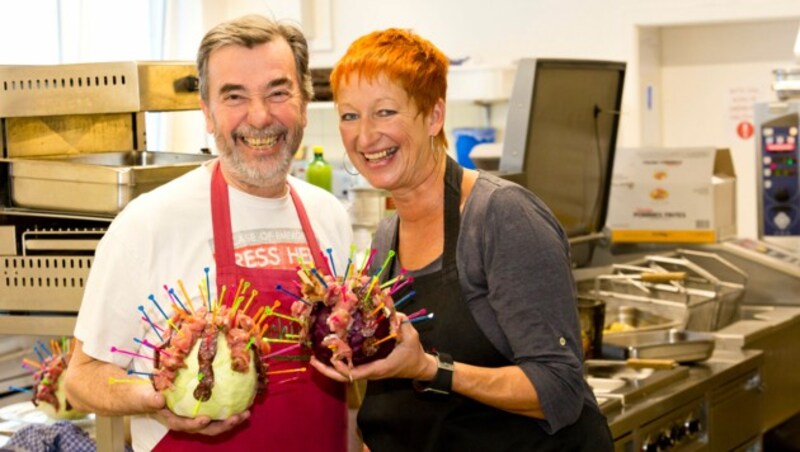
[693, 410]
[775, 330]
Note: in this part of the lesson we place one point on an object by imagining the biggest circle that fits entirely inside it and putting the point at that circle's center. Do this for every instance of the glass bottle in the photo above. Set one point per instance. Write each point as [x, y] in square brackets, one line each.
[320, 172]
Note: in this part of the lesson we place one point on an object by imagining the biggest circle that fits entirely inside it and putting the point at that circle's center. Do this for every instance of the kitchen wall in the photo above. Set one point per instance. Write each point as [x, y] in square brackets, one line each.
[698, 58]
[702, 60]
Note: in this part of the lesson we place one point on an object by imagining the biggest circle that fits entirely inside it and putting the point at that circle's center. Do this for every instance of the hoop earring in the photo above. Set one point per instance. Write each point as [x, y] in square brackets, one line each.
[434, 149]
[353, 171]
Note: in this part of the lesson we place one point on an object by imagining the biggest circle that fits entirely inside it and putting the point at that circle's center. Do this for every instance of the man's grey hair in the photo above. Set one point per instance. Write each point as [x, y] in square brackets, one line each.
[250, 31]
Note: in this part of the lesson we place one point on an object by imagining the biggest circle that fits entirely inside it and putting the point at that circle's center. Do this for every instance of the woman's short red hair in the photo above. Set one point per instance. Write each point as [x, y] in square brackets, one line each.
[403, 57]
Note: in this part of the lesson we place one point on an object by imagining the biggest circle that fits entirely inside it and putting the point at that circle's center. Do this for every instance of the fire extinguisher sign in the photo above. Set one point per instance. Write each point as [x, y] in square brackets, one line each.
[744, 130]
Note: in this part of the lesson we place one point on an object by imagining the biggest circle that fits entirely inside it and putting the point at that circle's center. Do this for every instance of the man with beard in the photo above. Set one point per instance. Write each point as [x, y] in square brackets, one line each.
[237, 218]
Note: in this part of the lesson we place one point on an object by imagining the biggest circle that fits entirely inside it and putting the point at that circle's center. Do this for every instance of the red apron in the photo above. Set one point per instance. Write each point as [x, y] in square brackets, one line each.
[303, 411]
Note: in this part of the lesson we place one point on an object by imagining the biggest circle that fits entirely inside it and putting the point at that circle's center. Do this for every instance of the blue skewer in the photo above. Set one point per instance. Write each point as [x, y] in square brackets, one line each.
[347, 270]
[333, 265]
[152, 325]
[404, 299]
[153, 299]
[44, 347]
[295, 296]
[319, 277]
[38, 353]
[133, 372]
[208, 288]
[421, 318]
[18, 389]
[174, 296]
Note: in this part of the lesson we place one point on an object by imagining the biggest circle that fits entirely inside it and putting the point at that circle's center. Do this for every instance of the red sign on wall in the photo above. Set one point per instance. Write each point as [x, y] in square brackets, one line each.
[744, 129]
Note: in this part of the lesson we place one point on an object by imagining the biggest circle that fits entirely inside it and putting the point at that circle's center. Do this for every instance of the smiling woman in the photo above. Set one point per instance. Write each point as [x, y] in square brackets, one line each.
[499, 365]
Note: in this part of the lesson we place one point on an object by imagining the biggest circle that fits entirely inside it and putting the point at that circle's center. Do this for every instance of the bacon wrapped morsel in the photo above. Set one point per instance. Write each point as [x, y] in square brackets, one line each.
[351, 320]
[48, 389]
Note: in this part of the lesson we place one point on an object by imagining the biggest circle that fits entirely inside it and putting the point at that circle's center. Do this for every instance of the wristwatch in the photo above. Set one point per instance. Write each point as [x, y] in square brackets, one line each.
[442, 382]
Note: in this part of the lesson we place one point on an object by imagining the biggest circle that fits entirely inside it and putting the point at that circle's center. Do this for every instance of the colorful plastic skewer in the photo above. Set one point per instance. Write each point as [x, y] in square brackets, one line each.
[333, 264]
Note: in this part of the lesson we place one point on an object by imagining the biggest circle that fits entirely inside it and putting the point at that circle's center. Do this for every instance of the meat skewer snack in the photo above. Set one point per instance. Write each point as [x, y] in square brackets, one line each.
[349, 318]
[211, 361]
[48, 389]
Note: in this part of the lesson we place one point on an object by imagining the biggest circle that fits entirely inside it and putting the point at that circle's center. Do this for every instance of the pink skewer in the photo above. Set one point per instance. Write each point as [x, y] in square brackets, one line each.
[283, 350]
[401, 285]
[125, 352]
[399, 280]
[154, 325]
[419, 313]
[367, 262]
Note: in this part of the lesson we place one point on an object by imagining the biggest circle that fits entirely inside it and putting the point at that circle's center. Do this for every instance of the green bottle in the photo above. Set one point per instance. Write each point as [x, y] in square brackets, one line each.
[320, 172]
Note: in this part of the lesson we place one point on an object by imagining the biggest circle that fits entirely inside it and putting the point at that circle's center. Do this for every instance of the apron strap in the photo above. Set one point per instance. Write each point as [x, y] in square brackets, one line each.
[453, 175]
[221, 219]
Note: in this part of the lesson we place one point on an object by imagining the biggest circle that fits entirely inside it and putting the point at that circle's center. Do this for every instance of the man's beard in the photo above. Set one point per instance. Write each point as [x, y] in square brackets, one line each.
[262, 170]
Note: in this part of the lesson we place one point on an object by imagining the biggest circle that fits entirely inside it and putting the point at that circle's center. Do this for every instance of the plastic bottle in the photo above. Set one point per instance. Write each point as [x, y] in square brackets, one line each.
[320, 172]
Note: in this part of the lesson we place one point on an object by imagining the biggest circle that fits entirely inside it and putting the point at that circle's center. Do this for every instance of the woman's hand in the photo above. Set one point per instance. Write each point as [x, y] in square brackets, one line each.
[202, 425]
[407, 360]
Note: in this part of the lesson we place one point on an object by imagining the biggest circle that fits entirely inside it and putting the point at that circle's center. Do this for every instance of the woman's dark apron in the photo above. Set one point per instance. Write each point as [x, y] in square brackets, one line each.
[300, 411]
[394, 417]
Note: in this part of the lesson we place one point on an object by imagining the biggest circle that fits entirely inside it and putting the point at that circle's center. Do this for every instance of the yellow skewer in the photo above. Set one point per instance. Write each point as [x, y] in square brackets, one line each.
[283, 316]
[375, 311]
[186, 296]
[31, 363]
[280, 341]
[203, 295]
[286, 371]
[391, 336]
[221, 295]
[242, 285]
[112, 380]
[247, 305]
[304, 278]
[389, 282]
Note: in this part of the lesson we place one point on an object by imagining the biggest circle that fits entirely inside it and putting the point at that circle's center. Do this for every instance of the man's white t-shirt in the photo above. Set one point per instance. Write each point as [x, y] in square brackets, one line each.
[166, 236]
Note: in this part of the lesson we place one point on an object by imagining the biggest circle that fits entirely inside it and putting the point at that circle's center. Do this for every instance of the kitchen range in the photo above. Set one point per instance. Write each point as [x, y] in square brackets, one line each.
[722, 384]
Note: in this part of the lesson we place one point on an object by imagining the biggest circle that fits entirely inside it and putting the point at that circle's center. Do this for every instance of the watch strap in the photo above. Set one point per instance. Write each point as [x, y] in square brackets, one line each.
[442, 382]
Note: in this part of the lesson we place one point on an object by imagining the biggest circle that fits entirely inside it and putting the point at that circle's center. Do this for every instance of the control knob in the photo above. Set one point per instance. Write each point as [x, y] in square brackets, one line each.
[664, 442]
[692, 426]
[649, 446]
[677, 433]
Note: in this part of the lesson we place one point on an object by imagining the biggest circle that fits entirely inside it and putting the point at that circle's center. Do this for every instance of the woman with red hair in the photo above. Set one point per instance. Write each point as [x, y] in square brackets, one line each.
[499, 366]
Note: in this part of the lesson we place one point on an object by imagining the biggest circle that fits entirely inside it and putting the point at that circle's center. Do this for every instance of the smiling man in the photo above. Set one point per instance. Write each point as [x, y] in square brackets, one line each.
[242, 217]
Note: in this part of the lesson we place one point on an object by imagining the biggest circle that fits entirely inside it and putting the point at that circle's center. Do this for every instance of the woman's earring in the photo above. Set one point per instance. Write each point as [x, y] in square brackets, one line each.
[345, 161]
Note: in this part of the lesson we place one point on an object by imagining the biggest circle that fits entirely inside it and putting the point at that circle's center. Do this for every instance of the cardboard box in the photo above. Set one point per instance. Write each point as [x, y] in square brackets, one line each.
[684, 195]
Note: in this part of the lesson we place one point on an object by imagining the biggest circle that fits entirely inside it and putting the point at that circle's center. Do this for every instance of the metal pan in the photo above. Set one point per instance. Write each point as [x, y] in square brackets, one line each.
[679, 345]
[100, 183]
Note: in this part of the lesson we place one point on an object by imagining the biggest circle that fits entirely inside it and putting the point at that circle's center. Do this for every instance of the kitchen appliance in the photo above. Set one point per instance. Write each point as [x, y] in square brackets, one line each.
[778, 179]
[74, 153]
[679, 345]
[560, 139]
[697, 290]
[592, 320]
[712, 405]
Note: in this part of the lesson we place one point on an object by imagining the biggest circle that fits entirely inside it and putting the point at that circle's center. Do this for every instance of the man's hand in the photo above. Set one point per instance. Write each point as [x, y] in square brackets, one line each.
[202, 425]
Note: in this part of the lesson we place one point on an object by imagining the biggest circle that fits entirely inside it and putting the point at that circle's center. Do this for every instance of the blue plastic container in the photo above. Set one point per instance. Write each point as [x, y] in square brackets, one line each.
[466, 138]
